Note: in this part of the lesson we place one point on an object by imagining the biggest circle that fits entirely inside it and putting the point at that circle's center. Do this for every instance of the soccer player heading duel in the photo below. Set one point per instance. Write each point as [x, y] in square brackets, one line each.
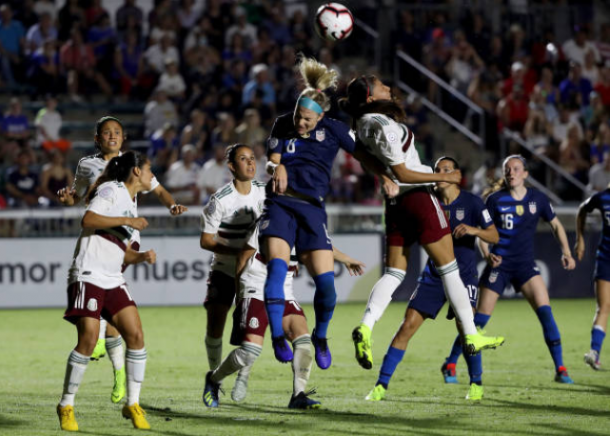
[415, 215]
[301, 148]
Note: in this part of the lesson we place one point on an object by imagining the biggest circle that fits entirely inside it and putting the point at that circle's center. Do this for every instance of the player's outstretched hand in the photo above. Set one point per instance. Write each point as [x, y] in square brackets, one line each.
[149, 256]
[463, 230]
[66, 196]
[579, 249]
[390, 188]
[568, 262]
[494, 260]
[280, 179]
[454, 176]
[354, 267]
[177, 209]
[138, 223]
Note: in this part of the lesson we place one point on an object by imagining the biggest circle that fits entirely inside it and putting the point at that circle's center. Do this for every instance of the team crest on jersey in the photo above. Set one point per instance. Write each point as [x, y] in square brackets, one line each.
[493, 276]
[211, 208]
[106, 192]
[392, 137]
[519, 209]
[459, 214]
[320, 135]
[264, 224]
[253, 323]
[273, 142]
[261, 206]
[532, 205]
[92, 305]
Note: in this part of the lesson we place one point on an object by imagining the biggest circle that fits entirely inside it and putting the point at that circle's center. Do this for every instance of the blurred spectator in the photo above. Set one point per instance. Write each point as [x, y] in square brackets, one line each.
[600, 146]
[603, 43]
[40, 32]
[286, 79]
[575, 89]
[537, 131]
[478, 34]
[243, 28]
[102, 38]
[263, 46]
[94, 12]
[78, 62]
[166, 26]
[48, 124]
[12, 42]
[129, 65]
[277, 26]
[157, 54]
[161, 9]
[129, 12]
[181, 177]
[602, 87]
[250, 130]
[42, 7]
[55, 176]
[158, 112]
[513, 109]
[259, 80]
[44, 72]
[236, 49]
[575, 48]
[260, 154]
[198, 36]
[22, 183]
[463, 64]
[195, 132]
[539, 101]
[171, 81]
[71, 15]
[234, 78]
[590, 70]
[436, 56]
[599, 175]
[15, 125]
[188, 14]
[519, 75]
[220, 19]
[224, 133]
[214, 174]
[548, 88]
[561, 124]
[516, 46]
[163, 150]
[497, 55]
[26, 14]
[408, 38]
[572, 159]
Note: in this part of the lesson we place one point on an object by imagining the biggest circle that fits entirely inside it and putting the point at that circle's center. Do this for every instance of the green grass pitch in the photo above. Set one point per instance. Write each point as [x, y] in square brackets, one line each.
[520, 395]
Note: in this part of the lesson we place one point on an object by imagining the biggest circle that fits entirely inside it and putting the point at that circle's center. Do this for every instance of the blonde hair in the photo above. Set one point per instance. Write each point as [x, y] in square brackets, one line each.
[501, 183]
[317, 78]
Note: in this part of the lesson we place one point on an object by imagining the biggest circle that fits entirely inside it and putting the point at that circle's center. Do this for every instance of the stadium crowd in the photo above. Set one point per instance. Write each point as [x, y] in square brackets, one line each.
[214, 75]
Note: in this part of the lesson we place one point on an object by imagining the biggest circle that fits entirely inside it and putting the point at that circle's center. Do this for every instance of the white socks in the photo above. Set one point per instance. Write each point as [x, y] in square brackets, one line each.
[114, 348]
[213, 347]
[381, 295]
[458, 296]
[75, 371]
[301, 363]
[103, 324]
[136, 366]
[240, 358]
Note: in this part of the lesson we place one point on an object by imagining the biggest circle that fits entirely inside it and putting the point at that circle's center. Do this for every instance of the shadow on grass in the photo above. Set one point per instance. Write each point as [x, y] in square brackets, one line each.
[575, 388]
[6, 422]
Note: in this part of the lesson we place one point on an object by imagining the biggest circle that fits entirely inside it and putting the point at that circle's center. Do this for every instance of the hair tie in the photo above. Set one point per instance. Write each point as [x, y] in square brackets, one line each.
[318, 90]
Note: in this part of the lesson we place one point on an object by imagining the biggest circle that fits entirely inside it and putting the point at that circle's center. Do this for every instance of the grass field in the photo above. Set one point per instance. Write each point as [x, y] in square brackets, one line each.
[520, 395]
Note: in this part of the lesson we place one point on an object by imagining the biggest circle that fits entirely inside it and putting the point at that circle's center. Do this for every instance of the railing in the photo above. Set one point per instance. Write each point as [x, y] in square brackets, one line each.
[435, 107]
[375, 37]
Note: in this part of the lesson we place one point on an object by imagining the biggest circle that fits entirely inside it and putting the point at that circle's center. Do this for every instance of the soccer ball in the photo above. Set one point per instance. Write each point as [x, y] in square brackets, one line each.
[334, 22]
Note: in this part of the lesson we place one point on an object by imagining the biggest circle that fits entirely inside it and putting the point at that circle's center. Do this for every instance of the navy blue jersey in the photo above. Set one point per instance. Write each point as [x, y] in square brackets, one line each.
[467, 209]
[516, 221]
[309, 161]
[601, 201]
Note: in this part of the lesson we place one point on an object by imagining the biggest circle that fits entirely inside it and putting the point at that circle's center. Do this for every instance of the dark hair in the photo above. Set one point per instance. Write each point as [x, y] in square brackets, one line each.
[456, 165]
[99, 125]
[358, 92]
[118, 169]
[231, 152]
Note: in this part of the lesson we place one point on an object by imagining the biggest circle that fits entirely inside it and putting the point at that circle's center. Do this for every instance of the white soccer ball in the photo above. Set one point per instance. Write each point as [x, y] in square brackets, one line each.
[334, 22]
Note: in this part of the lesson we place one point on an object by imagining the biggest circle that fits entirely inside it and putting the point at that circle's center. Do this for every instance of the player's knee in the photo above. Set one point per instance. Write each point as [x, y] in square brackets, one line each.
[603, 308]
[134, 339]
[86, 343]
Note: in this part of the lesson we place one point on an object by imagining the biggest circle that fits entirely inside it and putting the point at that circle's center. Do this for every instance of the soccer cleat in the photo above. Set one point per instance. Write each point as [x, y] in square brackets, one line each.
[137, 416]
[118, 390]
[99, 351]
[282, 350]
[323, 357]
[562, 376]
[475, 393]
[478, 342]
[376, 394]
[67, 421]
[592, 359]
[210, 391]
[361, 336]
[302, 401]
[449, 373]
[240, 388]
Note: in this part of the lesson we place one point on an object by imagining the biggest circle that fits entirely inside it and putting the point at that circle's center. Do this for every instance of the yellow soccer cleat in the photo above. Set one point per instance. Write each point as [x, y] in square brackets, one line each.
[100, 350]
[118, 390]
[475, 393]
[137, 416]
[377, 394]
[478, 342]
[67, 421]
[361, 336]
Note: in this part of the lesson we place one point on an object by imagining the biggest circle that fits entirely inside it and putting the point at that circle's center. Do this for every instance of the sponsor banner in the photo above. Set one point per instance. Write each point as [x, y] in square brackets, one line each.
[33, 271]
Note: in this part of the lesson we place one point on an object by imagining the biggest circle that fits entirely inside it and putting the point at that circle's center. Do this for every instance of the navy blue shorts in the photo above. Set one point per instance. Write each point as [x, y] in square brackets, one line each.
[300, 223]
[517, 274]
[602, 269]
[429, 296]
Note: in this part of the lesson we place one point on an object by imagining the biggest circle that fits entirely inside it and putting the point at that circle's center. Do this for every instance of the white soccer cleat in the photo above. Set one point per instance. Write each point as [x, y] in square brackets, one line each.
[592, 359]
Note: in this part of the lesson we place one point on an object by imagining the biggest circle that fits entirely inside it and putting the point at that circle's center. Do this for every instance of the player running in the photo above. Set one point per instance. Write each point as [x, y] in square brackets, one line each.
[515, 210]
[600, 201]
[225, 223]
[108, 139]
[414, 215]
[468, 219]
[96, 286]
[250, 322]
[302, 147]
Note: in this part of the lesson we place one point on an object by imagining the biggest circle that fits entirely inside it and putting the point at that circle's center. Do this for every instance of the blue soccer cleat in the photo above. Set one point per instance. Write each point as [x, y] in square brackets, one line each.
[210, 391]
[449, 373]
[282, 350]
[323, 357]
[302, 401]
[562, 376]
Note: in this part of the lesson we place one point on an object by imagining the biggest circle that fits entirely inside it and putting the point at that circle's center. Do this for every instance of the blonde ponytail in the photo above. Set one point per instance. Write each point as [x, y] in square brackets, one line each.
[317, 78]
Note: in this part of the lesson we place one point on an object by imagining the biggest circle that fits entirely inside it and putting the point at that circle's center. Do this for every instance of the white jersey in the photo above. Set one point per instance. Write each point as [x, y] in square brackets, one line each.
[254, 275]
[99, 254]
[392, 143]
[230, 216]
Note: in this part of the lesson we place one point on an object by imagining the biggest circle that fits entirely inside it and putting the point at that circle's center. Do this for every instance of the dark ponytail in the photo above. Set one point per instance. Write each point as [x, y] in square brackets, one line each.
[118, 169]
